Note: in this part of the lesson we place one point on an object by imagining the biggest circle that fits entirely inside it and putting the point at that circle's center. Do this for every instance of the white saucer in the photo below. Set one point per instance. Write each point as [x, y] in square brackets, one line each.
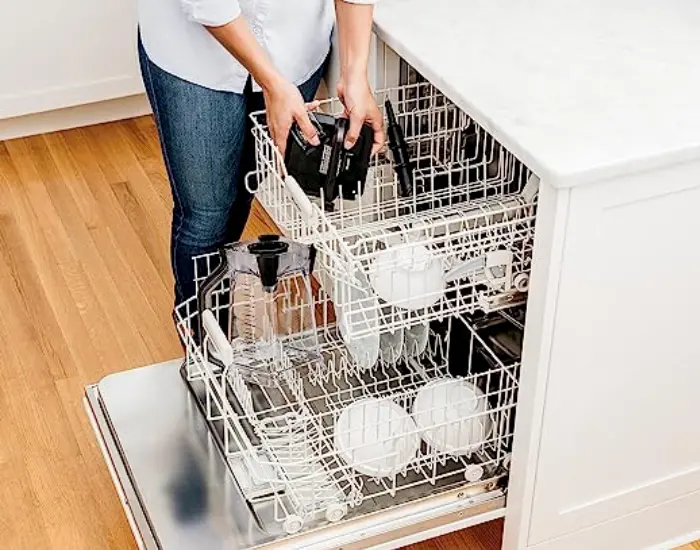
[452, 415]
[376, 437]
[408, 276]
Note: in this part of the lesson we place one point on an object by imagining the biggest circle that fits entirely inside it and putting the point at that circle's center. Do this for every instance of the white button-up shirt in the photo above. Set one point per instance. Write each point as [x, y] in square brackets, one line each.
[295, 33]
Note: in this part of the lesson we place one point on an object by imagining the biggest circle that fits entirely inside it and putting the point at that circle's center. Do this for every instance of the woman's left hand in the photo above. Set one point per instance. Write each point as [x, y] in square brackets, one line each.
[360, 108]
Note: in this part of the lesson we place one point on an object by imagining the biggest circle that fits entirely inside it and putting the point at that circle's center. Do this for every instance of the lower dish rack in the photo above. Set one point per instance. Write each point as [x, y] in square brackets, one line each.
[294, 446]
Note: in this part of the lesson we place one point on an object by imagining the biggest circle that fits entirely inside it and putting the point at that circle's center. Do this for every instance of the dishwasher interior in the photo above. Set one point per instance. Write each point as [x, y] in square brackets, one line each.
[415, 391]
[400, 425]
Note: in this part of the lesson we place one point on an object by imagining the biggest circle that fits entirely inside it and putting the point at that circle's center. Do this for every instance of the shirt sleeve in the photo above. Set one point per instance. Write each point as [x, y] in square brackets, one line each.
[212, 13]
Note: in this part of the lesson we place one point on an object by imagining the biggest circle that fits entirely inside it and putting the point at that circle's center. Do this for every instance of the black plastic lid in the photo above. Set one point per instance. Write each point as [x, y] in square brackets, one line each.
[268, 249]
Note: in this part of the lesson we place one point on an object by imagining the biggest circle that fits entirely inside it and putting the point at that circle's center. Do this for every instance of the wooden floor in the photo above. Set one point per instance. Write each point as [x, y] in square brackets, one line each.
[85, 290]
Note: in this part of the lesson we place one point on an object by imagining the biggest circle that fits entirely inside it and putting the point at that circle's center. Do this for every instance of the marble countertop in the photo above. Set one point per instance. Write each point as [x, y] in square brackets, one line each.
[580, 90]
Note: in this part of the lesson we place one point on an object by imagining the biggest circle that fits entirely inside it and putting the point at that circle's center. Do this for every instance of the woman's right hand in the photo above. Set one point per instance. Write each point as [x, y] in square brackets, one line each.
[285, 105]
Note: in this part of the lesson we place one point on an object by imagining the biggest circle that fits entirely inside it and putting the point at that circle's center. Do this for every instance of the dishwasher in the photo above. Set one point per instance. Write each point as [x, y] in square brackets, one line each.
[395, 423]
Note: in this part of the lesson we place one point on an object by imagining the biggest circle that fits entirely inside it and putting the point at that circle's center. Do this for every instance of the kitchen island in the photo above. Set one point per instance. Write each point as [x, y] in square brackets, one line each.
[599, 99]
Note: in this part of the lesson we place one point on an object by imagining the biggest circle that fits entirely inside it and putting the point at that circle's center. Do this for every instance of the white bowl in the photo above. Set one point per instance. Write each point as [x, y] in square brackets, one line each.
[408, 276]
[376, 437]
[452, 416]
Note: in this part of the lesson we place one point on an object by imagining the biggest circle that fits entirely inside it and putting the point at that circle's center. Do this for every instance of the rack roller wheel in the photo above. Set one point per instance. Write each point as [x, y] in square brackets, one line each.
[522, 282]
[293, 524]
[336, 512]
[474, 473]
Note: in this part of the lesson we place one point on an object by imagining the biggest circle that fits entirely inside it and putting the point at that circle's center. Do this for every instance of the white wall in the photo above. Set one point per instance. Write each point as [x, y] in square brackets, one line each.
[56, 54]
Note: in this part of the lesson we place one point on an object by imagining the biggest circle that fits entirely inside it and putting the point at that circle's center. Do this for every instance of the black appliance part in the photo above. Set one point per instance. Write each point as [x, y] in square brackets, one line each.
[267, 251]
[399, 152]
[329, 166]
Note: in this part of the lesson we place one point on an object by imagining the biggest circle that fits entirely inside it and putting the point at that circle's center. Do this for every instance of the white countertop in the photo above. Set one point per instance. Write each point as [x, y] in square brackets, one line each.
[580, 90]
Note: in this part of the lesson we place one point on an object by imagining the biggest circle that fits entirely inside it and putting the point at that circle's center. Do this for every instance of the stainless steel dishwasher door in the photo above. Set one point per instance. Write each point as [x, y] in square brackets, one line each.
[179, 493]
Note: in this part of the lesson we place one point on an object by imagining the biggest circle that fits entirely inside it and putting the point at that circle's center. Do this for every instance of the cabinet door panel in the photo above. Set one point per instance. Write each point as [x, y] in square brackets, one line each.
[621, 427]
[655, 528]
[60, 54]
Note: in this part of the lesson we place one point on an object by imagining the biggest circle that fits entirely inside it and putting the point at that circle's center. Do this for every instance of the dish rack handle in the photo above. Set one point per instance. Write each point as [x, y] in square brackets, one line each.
[306, 207]
[217, 336]
[205, 292]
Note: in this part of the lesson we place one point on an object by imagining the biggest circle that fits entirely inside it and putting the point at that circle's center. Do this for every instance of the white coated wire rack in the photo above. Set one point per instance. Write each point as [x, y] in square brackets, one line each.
[461, 242]
[292, 442]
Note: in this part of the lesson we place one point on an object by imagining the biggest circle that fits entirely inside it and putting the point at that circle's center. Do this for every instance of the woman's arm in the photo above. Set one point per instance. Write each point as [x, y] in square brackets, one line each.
[354, 18]
[283, 102]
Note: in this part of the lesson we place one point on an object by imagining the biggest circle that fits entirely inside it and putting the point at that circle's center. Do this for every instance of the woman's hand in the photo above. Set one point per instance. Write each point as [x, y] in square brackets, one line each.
[355, 30]
[285, 105]
[360, 108]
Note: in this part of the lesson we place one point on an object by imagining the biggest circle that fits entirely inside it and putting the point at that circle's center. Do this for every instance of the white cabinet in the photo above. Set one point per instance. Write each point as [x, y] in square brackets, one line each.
[618, 463]
[61, 54]
[607, 442]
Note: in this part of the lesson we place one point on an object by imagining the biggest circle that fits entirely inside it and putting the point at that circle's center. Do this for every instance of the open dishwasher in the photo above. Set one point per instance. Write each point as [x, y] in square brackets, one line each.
[398, 425]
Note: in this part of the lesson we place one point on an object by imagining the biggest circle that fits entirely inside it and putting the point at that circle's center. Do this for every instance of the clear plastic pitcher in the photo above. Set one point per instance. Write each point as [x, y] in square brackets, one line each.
[262, 298]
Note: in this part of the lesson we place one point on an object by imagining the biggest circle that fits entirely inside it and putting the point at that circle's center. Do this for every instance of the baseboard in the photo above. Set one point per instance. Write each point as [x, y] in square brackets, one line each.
[74, 117]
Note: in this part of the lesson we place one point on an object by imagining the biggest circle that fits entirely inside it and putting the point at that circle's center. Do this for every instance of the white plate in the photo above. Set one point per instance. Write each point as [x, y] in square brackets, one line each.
[391, 344]
[357, 309]
[452, 415]
[376, 437]
[416, 339]
[408, 276]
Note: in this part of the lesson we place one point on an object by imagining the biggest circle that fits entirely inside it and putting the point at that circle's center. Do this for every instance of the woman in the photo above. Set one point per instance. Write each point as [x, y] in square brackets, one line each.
[207, 64]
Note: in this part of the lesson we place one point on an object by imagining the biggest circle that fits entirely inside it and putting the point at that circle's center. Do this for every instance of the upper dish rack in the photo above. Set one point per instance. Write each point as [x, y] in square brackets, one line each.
[462, 242]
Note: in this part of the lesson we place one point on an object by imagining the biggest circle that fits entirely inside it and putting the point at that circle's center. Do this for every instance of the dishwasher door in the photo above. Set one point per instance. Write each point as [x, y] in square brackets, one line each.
[179, 493]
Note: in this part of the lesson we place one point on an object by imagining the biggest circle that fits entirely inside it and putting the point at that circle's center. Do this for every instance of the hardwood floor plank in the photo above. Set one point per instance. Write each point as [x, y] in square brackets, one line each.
[139, 285]
[24, 299]
[113, 139]
[9, 438]
[32, 274]
[94, 136]
[486, 536]
[141, 134]
[85, 291]
[150, 157]
[154, 326]
[69, 509]
[74, 299]
[23, 528]
[132, 348]
[141, 222]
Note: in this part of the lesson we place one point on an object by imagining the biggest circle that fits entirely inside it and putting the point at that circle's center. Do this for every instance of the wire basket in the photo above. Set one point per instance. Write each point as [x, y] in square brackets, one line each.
[461, 242]
[299, 453]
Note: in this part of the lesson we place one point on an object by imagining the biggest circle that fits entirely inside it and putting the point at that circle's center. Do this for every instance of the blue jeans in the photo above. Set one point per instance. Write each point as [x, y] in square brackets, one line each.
[208, 149]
